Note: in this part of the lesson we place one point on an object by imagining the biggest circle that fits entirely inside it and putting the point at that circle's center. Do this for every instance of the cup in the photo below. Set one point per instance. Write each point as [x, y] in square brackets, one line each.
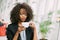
[25, 24]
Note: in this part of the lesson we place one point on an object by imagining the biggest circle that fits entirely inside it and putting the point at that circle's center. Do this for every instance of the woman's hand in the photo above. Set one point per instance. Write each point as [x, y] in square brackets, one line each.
[21, 28]
[32, 25]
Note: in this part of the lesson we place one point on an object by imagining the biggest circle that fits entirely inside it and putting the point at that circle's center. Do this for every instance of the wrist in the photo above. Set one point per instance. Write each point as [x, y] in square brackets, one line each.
[18, 32]
[34, 29]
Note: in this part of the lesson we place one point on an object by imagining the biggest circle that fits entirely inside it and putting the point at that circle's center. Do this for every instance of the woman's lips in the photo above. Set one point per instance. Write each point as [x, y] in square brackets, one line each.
[23, 19]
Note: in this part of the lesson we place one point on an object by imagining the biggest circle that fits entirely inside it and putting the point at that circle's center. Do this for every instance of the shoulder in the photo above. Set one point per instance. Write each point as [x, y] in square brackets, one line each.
[11, 26]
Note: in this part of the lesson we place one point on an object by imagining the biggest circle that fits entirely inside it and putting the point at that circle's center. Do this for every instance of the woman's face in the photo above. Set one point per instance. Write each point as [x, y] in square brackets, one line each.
[23, 14]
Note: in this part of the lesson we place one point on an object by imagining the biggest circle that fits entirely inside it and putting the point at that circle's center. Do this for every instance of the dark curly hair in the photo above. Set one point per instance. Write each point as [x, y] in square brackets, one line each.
[14, 16]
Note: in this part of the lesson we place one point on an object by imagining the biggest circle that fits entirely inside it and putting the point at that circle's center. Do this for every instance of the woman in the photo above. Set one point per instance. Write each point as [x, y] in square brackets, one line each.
[21, 13]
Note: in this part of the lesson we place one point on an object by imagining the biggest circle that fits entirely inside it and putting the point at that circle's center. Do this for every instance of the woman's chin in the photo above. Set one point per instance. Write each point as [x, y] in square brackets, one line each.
[23, 20]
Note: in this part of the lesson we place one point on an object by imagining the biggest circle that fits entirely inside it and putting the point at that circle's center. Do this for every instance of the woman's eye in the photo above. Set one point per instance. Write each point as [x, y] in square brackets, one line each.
[23, 14]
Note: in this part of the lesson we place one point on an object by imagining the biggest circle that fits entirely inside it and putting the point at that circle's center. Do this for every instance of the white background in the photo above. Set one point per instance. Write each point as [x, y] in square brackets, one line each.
[40, 10]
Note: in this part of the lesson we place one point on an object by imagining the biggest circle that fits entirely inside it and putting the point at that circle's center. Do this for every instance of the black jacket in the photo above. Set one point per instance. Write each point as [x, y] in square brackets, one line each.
[12, 28]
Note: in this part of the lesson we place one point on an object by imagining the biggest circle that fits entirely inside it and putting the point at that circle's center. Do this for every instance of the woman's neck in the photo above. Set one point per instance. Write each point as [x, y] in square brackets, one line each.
[19, 22]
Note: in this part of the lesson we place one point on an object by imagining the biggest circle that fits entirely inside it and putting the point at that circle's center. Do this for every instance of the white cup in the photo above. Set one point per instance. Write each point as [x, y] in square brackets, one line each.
[25, 24]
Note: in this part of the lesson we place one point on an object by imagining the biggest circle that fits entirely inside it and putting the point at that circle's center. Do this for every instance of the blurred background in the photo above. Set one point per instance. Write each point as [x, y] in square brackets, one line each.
[46, 16]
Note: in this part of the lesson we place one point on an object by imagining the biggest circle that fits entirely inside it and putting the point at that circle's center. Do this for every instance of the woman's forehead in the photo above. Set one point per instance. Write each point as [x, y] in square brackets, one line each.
[22, 10]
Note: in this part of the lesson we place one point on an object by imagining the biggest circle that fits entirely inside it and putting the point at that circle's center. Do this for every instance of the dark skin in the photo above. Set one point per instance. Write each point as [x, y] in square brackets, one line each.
[23, 17]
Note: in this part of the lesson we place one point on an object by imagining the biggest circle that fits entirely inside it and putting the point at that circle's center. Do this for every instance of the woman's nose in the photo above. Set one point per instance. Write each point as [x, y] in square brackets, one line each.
[23, 16]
